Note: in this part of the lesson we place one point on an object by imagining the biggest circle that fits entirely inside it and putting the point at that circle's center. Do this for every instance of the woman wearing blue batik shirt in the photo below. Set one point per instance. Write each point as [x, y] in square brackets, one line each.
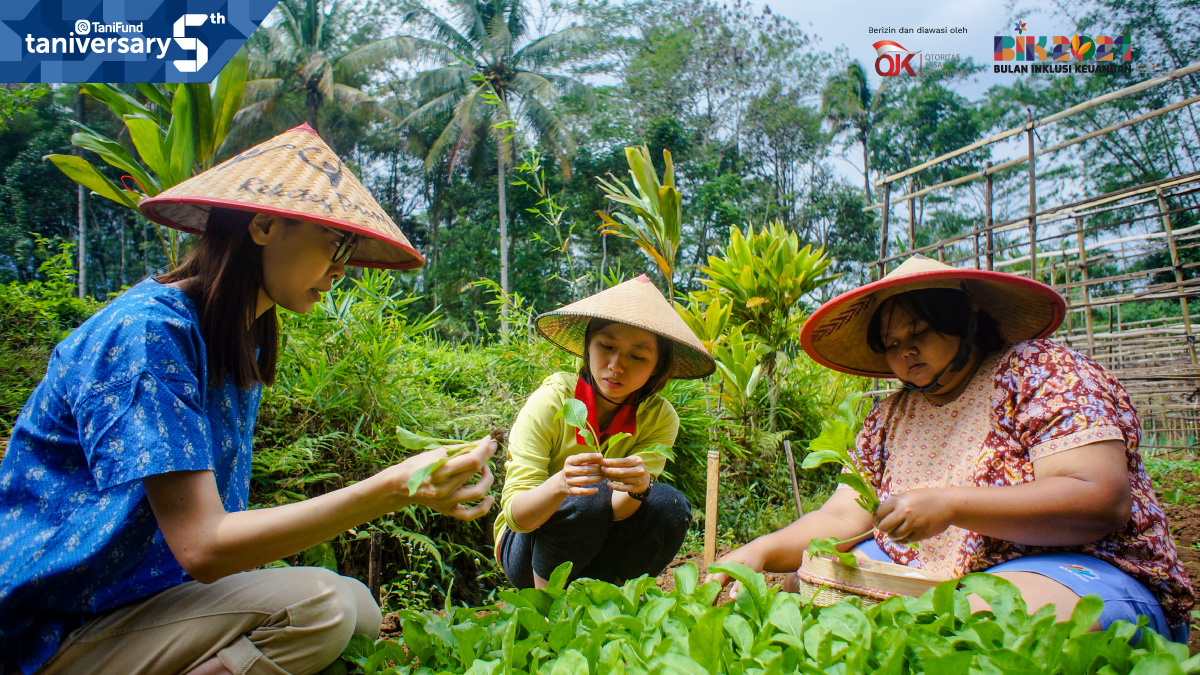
[124, 535]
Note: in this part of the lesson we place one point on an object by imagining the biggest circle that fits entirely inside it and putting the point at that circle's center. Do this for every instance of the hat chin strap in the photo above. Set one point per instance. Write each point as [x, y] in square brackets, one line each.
[956, 364]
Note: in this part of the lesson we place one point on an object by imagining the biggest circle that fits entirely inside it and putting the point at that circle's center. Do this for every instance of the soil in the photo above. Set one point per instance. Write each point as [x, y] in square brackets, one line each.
[1185, 527]
[667, 579]
[390, 627]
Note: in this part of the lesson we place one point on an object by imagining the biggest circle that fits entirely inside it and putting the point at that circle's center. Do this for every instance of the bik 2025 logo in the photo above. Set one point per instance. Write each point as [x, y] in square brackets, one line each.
[1061, 53]
[123, 40]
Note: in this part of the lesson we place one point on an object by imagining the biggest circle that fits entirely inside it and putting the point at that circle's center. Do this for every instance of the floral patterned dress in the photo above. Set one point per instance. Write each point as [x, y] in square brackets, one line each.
[125, 396]
[1026, 402]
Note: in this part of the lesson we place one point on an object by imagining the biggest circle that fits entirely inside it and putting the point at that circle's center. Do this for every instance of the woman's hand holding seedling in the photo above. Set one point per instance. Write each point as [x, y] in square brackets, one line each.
[625, 474]
[438, 478]
[581, 473]
[914, 515]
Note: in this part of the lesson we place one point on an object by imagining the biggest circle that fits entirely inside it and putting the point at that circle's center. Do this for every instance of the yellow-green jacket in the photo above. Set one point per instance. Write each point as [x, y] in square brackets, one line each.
[538, 443]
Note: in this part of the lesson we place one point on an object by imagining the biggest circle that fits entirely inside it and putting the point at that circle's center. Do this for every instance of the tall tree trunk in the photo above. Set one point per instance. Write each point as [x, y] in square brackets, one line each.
[313, 103]
[81, 205]
[866, 169]
[81, 199]
[100, 267]
[121, 233]
[500, 170]
[435, 216]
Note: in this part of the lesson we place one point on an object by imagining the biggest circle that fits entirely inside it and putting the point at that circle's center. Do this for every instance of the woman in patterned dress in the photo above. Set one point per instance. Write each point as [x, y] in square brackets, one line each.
[1003, 452]
[125, 539]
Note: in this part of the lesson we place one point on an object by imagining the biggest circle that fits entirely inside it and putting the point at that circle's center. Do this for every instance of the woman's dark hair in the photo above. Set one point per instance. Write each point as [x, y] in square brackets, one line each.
[224, 275]
[946, 310]
[662, 370]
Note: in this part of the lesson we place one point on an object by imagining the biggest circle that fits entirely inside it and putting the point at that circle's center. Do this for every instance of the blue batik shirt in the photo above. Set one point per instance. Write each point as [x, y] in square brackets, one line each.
[125, 396]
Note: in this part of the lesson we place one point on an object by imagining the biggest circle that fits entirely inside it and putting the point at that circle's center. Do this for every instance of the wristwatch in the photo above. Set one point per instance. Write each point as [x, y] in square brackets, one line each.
[641, 496]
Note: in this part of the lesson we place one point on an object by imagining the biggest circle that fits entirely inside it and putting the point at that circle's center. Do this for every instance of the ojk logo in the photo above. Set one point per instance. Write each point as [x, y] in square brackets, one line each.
[895, 57]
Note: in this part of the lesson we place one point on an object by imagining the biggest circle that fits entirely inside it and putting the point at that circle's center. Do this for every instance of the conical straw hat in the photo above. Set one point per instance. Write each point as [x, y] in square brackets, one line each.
[637, 303]
[836, 334]
[294, 175]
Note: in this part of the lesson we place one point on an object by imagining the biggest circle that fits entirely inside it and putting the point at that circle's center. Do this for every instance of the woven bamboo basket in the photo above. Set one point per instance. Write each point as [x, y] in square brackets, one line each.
[825, 581]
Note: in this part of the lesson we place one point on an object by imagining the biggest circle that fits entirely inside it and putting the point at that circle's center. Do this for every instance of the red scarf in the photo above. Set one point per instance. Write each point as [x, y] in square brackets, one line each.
[624, 420]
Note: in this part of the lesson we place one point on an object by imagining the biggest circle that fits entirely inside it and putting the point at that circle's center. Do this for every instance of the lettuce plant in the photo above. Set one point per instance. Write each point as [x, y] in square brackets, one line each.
[593, 627]
[413, 441]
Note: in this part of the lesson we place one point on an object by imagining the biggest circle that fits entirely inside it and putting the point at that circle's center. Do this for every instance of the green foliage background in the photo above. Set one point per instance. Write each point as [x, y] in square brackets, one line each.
[363, 361]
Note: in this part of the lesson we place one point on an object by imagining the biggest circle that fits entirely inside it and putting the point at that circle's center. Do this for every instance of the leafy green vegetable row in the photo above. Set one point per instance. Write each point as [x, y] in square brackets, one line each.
[595, 627]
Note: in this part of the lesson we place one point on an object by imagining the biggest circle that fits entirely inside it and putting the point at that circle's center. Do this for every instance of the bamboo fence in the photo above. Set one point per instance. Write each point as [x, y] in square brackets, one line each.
[1109, 255]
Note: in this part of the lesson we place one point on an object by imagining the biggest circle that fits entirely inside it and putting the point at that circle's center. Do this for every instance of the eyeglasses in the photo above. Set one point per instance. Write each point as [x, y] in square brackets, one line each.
[346, 246]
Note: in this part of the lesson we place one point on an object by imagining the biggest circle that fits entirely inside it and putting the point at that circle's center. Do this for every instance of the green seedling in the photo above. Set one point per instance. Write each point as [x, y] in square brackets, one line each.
[829, 547]
[833, 446]
[574, 412]
[414, 441]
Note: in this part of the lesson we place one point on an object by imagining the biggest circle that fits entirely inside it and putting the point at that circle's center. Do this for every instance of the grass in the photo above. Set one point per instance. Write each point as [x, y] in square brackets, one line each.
[1175, 480]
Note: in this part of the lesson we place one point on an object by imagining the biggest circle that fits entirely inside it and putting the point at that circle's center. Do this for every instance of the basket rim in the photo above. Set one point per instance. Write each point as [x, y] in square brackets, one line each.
[853, 589]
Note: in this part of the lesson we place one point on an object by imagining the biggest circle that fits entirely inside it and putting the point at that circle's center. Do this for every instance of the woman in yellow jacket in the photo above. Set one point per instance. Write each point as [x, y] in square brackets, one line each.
[601, 510]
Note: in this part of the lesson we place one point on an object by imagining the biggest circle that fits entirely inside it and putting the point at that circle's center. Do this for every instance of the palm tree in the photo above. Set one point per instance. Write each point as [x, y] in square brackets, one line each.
[489, 84]
[848, 103]
[315, 50]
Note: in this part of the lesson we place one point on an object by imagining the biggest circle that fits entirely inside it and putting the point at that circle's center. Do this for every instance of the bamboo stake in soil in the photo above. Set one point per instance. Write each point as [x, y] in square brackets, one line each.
[710, 508]
[375, 565]
[787, 450]
[1066, 293]
[991, 244]
[1111, 362]
[912, 216]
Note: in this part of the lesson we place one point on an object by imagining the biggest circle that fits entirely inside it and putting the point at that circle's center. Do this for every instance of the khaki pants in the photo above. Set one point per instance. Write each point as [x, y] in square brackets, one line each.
[287, 621]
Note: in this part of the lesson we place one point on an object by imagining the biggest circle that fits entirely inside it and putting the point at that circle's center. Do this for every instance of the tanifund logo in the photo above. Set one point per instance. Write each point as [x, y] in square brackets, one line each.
[128, 38]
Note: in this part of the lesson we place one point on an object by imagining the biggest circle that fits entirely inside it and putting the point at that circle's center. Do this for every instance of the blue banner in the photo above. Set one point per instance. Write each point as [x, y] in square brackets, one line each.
[123, 40]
